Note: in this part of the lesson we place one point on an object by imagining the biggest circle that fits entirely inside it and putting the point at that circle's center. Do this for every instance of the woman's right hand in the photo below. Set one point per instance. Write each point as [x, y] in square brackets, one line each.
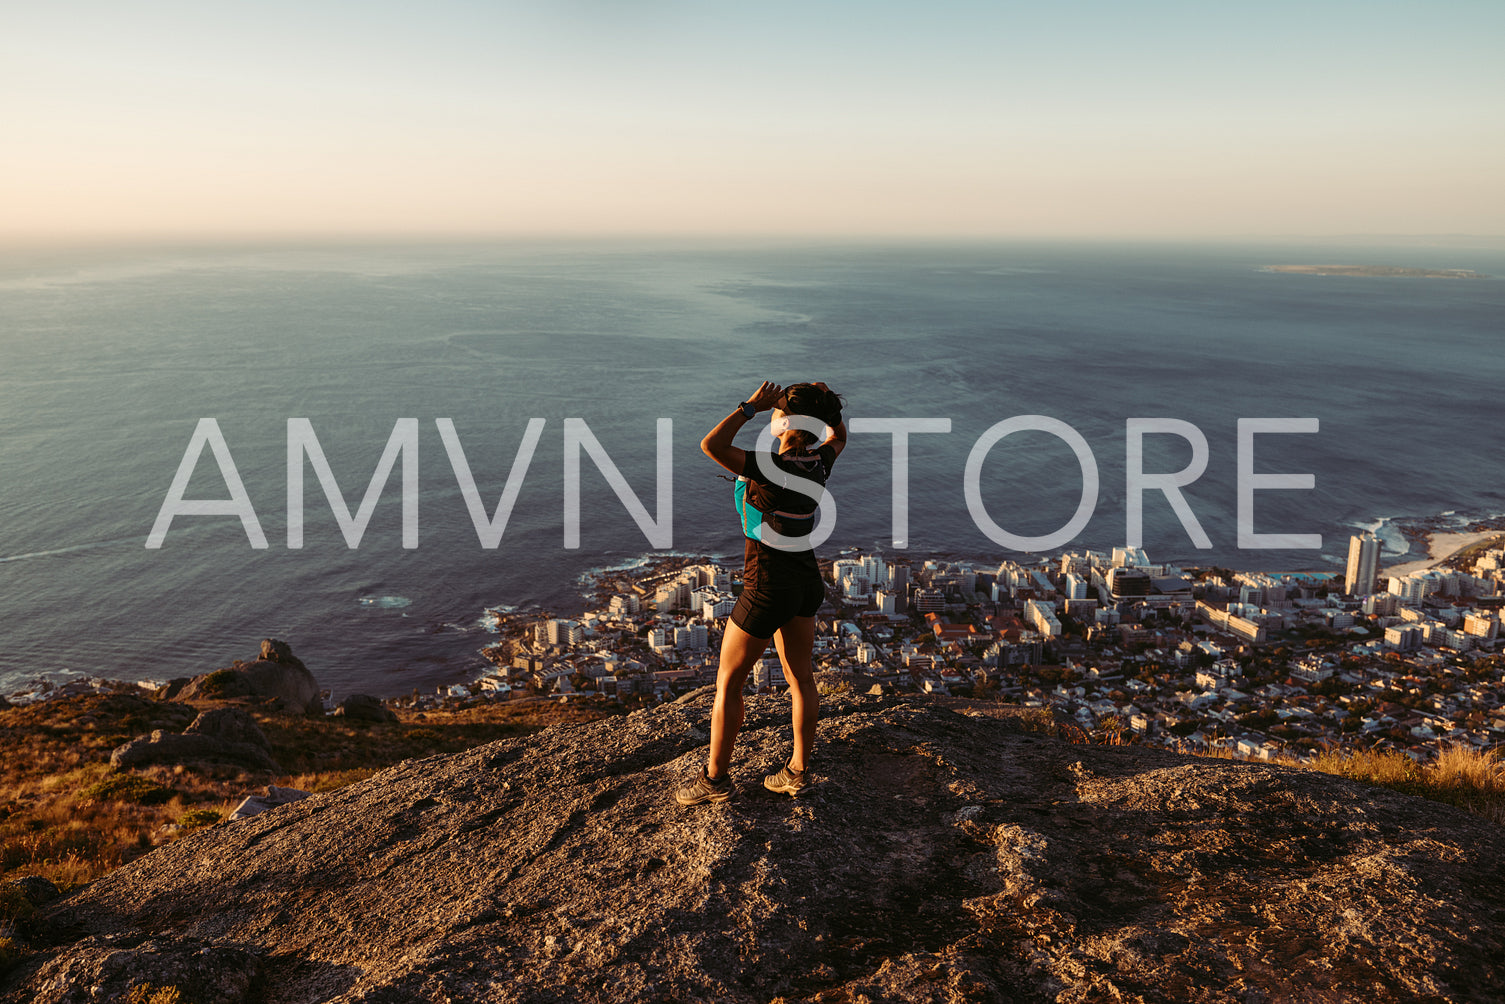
[766, 396]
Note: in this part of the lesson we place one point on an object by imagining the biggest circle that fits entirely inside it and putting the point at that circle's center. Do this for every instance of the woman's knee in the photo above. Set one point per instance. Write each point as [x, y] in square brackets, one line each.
[729, 687]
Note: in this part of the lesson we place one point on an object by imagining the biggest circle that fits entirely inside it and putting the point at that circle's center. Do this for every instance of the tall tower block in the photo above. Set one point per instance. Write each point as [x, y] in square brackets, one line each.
[1363, 564]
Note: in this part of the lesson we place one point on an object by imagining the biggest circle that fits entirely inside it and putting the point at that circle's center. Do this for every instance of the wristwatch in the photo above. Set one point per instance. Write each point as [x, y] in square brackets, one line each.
[748, 411]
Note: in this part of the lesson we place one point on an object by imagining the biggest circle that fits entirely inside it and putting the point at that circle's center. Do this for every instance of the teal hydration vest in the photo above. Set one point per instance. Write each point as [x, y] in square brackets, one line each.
[754, 519]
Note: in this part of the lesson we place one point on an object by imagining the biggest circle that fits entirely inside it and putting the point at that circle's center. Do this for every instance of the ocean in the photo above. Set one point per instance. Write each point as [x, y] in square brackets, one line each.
[112, 356]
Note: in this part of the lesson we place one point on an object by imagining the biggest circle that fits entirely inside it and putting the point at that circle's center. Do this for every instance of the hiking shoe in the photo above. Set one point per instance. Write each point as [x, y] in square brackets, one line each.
[705, 790]
[788, 781]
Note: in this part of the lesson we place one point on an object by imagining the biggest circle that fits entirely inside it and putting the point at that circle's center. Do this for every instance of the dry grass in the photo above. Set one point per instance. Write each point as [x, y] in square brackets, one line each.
[1467, 769]
[1459, 775]
[330, 781]
[1388, 768]
[1455, 772]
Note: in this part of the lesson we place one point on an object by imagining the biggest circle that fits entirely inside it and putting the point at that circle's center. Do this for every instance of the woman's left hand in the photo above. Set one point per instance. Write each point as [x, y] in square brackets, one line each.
[766, 396]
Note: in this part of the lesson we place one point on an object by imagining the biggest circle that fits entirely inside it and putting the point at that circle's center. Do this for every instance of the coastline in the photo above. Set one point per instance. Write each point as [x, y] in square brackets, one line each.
[1439, 537]
[1440, 547]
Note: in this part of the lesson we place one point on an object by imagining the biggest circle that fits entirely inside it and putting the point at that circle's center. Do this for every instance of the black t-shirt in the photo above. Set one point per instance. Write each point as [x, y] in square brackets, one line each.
[762, 564]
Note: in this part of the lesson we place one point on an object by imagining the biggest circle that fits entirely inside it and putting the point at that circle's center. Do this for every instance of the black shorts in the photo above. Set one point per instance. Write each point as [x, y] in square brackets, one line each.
[761, 610]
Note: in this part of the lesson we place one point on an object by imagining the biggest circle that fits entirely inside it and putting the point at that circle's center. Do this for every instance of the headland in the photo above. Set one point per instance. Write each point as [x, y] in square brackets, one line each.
[1378, 271]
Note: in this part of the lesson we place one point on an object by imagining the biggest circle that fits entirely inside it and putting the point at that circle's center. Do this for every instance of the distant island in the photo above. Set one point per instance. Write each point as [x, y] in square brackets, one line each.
[1386, 271]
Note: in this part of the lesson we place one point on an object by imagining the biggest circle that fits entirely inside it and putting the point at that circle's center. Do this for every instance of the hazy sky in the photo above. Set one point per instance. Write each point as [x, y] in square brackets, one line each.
[671, 116]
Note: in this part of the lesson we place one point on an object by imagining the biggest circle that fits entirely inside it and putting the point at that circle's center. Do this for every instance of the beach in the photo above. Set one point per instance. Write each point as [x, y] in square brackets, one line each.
[1440, 547]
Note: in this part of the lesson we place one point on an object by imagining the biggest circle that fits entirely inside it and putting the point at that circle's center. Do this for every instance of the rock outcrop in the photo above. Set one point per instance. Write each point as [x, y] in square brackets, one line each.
[276, 677]
[220, 735]
[364, 708]
[942, 857]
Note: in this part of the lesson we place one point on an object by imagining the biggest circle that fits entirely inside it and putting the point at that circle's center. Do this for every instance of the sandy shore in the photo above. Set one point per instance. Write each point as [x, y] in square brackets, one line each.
[1441, 546]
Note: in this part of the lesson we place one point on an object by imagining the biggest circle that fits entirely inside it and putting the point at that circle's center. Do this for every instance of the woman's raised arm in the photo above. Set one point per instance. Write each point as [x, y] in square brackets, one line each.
[838, 438]
[717, 443]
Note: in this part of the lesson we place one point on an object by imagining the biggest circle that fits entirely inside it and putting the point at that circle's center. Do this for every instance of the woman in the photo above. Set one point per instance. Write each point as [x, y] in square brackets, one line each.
[781, 583]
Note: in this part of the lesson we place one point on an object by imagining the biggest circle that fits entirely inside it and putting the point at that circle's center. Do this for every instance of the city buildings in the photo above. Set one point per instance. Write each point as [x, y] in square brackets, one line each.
[1260, 664]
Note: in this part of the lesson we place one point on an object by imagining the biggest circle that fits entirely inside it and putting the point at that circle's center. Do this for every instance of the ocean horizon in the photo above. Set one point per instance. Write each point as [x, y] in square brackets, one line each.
[114, 356]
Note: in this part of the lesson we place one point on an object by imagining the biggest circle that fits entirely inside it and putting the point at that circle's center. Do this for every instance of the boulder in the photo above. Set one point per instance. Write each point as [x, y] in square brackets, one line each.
[231, 725]
[220, 735]
[939, 857]
[365, 708]
[273, 650]
[278, 677]
[114, 967]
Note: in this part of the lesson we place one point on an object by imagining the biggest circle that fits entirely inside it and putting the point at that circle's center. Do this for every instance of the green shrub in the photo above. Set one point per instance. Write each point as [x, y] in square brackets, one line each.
[145, 993]
[127, 788]
[217, 682]
[13, 904]
[193, 819]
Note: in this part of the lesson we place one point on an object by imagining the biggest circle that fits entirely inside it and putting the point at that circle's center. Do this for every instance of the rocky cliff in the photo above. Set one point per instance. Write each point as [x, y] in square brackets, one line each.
[944, 857]
[275, 678]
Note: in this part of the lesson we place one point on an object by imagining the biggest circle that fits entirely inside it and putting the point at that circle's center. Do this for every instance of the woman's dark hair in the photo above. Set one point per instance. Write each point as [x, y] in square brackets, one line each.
[815, 400]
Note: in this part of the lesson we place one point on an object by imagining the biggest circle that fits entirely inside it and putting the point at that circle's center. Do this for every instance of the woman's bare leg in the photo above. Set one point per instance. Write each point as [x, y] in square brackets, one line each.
[796, 641]
[739, 650]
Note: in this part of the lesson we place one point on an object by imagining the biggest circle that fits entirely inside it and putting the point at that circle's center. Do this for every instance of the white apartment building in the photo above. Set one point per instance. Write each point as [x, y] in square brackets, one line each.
[717, 606]
[562, 632]
[692, 636]
[624, 605]
[1410, 589]
[1042, 617]
[1363, 564]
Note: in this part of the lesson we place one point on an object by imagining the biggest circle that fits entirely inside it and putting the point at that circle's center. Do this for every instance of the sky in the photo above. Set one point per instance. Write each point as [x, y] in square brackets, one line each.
[698, 117]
